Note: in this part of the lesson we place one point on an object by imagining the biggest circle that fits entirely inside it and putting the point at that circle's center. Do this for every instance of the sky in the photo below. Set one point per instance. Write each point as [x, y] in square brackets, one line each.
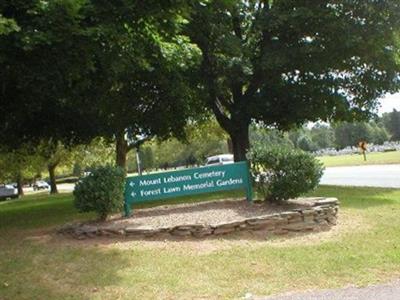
[389, 102]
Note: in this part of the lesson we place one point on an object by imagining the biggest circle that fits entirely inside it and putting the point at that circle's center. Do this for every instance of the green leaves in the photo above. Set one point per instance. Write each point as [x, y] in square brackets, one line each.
[101, 191]
[288, 62]
[79, 69]
[8, 25]
[283, 173]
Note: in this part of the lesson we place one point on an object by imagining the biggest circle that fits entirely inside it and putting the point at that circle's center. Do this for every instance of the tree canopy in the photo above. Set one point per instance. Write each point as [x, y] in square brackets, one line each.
[74, 70]
[286, 62]
[44, 62]
[124, 70]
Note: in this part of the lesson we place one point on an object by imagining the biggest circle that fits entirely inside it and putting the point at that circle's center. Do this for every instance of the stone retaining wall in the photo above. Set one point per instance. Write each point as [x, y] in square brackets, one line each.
[316, 214]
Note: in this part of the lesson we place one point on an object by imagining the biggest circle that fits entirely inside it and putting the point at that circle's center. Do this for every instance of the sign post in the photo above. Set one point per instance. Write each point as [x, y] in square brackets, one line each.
[156, 186]
[363, 148]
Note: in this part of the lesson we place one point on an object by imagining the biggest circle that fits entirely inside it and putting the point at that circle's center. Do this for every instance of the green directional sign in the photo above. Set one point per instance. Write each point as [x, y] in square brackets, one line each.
[187, 182]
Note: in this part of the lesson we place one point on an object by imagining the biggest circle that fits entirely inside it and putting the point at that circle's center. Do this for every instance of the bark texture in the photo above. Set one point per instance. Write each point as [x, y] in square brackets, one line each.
[52, 174]
[19, 186]
[121, 150]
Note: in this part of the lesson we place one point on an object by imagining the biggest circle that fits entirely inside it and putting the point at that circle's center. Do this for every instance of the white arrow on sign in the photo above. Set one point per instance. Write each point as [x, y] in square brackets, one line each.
[133, 194]
[132, 184]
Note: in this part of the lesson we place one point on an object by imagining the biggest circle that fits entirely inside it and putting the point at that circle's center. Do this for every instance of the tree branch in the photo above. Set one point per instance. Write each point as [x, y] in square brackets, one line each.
[213, 98]
[54, 163]
[222, 119]
[236, 25]
[138, 143]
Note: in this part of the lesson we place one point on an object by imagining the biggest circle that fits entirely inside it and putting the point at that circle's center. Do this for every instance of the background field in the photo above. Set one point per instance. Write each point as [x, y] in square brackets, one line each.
[35, 263]
[376, 158]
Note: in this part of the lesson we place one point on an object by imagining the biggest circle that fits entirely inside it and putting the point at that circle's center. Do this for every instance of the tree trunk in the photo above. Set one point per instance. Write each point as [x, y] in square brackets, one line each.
[121, 148]
[19, 186]
[240, 141]
[53, 186]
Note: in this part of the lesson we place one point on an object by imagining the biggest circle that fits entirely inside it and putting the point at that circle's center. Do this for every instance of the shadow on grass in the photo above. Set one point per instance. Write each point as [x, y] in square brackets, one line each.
[65, 268]
[58, 271]
[31, 212]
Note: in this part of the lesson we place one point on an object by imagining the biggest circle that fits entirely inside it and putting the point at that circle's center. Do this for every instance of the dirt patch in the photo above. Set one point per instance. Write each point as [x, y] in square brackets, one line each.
[211, 213]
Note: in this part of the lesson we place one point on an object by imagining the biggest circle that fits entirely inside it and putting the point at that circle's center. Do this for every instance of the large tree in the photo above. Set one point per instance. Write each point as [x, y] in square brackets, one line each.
[55, 154]
[74, 70]
[142, 78]
[46, 62]
[285, 62]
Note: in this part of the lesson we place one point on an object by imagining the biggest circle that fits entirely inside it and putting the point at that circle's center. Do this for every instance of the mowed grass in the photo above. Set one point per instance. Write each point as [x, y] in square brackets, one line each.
[376, 158]
[226, 268]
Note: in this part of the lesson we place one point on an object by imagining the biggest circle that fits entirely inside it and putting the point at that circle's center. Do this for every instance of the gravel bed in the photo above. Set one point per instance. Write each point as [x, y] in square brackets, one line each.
[210, 213]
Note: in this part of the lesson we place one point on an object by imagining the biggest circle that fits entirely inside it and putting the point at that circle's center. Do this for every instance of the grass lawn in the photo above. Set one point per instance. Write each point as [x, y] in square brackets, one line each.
[376, 158]
[362, 249]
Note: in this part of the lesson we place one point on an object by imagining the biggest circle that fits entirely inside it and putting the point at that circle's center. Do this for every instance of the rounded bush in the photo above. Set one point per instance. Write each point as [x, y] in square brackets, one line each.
[282, 173]
[102, 191]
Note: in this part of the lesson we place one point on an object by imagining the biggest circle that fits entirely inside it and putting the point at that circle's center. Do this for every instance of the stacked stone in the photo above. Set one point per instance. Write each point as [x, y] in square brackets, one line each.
[317, 214]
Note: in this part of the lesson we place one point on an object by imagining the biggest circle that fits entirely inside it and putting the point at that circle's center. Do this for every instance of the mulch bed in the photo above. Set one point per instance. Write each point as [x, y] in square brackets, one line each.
[210, 213]
[215, 218]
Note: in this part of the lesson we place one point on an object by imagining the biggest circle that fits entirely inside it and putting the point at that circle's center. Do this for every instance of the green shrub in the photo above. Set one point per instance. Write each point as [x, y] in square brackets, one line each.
[282, 173]
[101, 191]
[306, 144]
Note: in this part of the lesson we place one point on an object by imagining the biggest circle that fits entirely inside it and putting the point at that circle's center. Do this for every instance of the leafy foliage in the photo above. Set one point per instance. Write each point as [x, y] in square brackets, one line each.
[124, 71]
[202, 139]
[101, 191]
[261, 136]
[97, 153]
[287, 62]
[306, 144]
[7, 25]
[20, 165]
[40, 92]
[322, 136]
[350, 134]
[392, 123]
[283, 173]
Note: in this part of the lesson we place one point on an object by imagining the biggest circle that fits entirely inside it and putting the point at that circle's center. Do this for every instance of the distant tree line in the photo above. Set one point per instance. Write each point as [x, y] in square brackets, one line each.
[337, 135]
[210, 140]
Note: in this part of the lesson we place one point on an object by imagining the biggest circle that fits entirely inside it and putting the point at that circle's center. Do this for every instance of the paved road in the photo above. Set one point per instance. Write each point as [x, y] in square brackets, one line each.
[374, 175]
[62, 188]
[389, 291]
